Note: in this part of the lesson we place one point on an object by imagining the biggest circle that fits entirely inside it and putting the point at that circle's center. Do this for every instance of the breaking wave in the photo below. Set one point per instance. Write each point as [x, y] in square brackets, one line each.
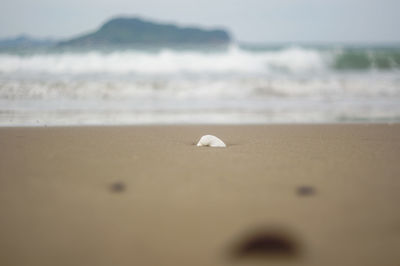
[165, 62]
[236, 85]
[233, 60]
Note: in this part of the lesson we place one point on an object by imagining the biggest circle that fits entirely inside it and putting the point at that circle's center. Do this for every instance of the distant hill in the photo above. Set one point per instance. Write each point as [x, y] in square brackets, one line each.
[139, 32]
[24, 41]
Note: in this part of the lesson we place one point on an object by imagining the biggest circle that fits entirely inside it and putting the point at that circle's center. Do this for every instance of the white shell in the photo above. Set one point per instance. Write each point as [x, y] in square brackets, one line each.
[210, 140]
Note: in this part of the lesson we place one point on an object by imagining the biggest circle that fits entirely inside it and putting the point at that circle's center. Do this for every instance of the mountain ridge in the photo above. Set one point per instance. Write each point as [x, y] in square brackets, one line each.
[135, 31]
[24, 40]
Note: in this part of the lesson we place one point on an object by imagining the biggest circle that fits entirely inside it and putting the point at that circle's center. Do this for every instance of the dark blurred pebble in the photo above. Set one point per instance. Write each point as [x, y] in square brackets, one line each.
[305, 191]
[117, 187]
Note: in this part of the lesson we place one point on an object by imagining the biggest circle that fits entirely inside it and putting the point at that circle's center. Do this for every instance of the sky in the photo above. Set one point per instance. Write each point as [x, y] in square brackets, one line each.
[253, 21]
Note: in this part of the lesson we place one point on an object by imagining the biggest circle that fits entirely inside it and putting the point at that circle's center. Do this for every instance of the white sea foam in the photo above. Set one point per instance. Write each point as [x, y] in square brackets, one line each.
[234, 60]
[291, 84]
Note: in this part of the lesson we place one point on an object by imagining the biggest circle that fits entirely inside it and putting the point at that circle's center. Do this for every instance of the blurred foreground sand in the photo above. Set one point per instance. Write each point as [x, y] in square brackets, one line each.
[279, 194]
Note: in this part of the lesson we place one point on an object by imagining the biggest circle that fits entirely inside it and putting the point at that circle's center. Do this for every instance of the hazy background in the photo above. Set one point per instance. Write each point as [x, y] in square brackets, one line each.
[249, 20]
[290, 61]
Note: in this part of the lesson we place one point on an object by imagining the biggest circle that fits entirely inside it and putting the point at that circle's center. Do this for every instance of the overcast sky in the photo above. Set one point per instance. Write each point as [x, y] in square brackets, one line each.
[247, 20]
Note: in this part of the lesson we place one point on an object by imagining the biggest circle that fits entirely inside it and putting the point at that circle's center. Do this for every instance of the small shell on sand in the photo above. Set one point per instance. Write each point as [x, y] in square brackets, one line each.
[210, 140]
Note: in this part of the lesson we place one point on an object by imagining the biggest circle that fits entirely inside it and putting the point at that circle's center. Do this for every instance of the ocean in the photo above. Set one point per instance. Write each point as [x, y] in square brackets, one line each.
[243, 84]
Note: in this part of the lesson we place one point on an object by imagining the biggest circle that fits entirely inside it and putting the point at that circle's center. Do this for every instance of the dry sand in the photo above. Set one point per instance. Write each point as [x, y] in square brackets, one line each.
[280, 194]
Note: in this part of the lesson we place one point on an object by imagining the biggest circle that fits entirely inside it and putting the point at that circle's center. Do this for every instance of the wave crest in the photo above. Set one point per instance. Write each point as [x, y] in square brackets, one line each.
[233, 60]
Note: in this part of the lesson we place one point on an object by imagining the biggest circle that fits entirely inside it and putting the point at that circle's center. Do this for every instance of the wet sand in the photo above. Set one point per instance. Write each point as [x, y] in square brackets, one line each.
[278, 194]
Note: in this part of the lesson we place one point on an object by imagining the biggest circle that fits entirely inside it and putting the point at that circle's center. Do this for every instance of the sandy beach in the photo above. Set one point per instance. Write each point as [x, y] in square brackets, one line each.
[146, 195]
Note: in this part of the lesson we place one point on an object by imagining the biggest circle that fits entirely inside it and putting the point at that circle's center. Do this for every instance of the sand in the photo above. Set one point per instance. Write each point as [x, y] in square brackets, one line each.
[146, 195]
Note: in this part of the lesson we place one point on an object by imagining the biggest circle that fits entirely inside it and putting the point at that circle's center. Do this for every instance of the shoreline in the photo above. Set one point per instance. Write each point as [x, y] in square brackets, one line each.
[239, 124]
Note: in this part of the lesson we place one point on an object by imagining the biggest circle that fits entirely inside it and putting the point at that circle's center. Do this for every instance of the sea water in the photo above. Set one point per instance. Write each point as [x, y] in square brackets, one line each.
[241, 84]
